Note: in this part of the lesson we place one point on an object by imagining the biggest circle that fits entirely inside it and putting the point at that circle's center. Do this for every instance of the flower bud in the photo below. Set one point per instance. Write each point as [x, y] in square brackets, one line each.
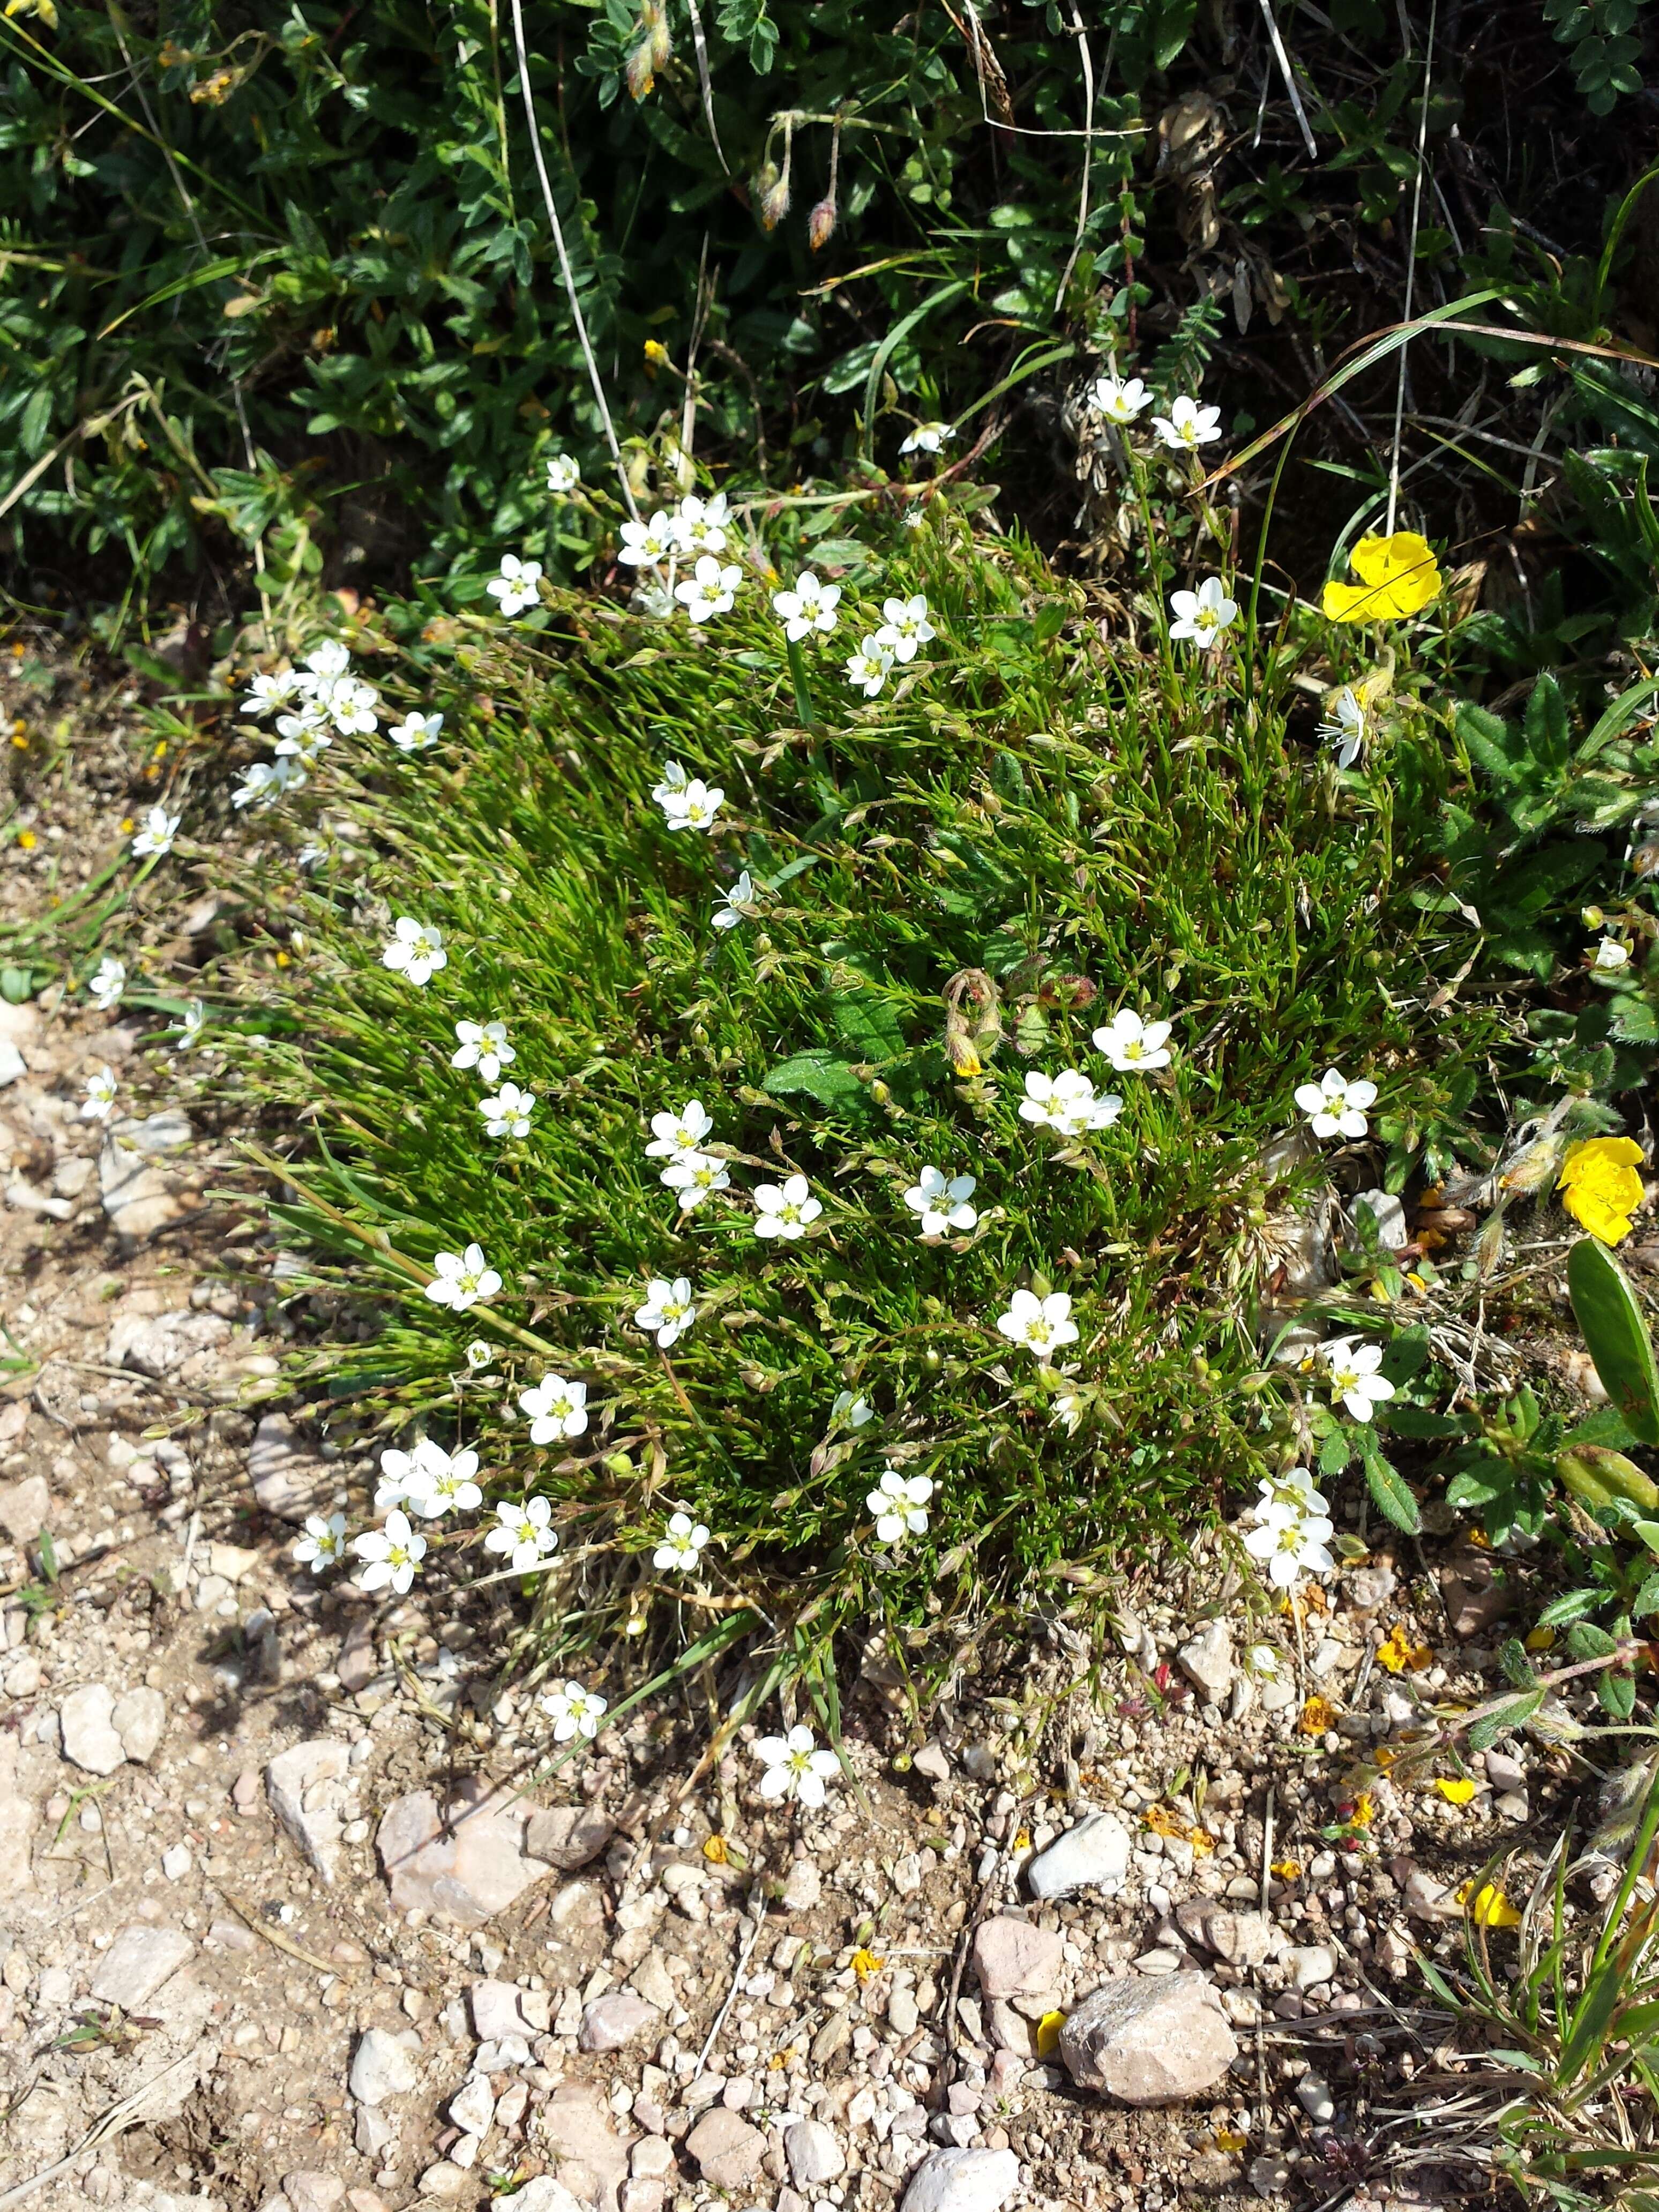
[655, 16]
[1645, 860]
[821, 223]
[1598, 1476]
[641, 70]
[771, 195]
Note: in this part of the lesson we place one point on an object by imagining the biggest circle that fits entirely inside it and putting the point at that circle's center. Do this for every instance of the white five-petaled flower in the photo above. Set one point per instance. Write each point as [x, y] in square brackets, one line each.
[390, 1555]
[1610, 953]
[325, 664]
[108, 981]
[785, 1210]
[1118, 400]
[557, 1409]
[1292, 1528]
[304, 735]
[353, 707]
[190, 1025]
[711, 588]
[699, 525]
[323, 1544]
[1043, 1324]
[906, 627]
[942, 1202]
[267, 781]
[811, 605]
[1344, 726]
[927, 438]
[563, 475]
[508, 1114]
[736, 905]
[523, 1531]
[101, 1096]
[1188, 425]
[573, 1711]
[515, 588]
[869, 668]
[681, 1546]
[482, 1045]
[429, 1478]
[1351, 1376]
[459, 1280]
[795, 1767]
[1066, 1104]
[415, 949]
[646, 544]
[900, 1504]
[1335, 1107]
[267, 695]
[675, 1135]
[156, 833]
[693, 806]
[1132, 1045]
[668, 1311]
[416, 731]
[855, 1411]
[479, 1354]
[1203, 615]
[695, 1176]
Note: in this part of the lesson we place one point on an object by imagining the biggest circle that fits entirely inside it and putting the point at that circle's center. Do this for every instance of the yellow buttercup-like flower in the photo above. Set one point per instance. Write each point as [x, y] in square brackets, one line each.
[1601, 1187]
[1398, 576]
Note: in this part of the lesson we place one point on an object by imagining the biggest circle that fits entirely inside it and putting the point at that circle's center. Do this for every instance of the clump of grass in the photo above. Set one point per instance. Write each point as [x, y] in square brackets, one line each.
[1033, 826]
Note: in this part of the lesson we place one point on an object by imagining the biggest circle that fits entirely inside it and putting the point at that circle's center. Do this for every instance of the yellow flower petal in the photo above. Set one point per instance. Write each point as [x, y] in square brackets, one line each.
[1602, 1186]
[1318, 1717]
[1488, 1907]
[1456, 1793]
[865, 1963]
[1049, 2029]
[1286, 1869]
[1399, 576]
[1400, 1653]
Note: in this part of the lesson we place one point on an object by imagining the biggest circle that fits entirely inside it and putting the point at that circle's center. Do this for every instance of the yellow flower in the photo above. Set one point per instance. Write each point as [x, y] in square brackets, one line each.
[1399, 576]
[27, 839]
[1488, 1907]
[1202, 1841]
[1049, 2029]
[1163, 1822]
[1365, 1810]
[1229, 2139]
[1023, 1840]
[1601, 1185]
[1318, 1717]
[714, 1849]
[1400, 1653]
[1541, 1639]
[1286, 1869]
[865, 1963]
[1455, 1793]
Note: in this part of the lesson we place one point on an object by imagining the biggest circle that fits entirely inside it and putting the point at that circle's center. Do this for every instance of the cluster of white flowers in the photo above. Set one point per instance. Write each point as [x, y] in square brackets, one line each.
[905, 628]
[1188, 424]
[310, 704]
[687, 802]
[1292, 1529]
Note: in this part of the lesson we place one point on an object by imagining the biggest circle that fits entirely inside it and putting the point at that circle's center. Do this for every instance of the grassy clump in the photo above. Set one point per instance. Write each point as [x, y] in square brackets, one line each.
[1032, 827]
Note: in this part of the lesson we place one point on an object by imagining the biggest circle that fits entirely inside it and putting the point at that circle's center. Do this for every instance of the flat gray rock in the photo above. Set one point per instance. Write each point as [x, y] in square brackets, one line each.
[138, 1962]
[1149, 2040]
[90, 1741]
[959, 2180]
[1094, 1855]
[306, 1789]
[288, 1481]
[469, 1861]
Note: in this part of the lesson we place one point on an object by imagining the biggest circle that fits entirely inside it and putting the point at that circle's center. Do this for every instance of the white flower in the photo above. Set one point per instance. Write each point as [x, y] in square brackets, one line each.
[646, 544]
[415, 949]
[325, 666]
[1119, 401]
[785, 1211]
[653, 597]
[157, 833]
[482, 1045]
[1133, 1045]
[194, 1020]
[390, 1555]
[313, 855]
[1066, 1412]
[678, 1551]
[323, 1544]
[401, 1478]
[1066, 1104]
[353, 707]
[266, 693]
[573, 1711]
[1188, 425]
[459, 1280]
[515, 588]
[302, 737]
[695, 1176]
[267, 781]
[671, 785]
[710, 589]
[694, 807]
[810, 606]
[941, 1204]
[668, 1311]
[1335, 1107]
[1292, 1526]
[736, 905]
[927, 438]
[869, 668]
[699, 525]
[1351, 1376]
[557, 1409]
[905, 628]
[523, 1532]
[674, 1135]
[855, 1411]
[508, 1114]
[441, 1482]
[1344, 726]
[899, 1504]
[563, 475]
[415, 733]
[794, 1768]
[1609, 954]
[108, 981]
[479, 1354]
[1202, 615]
[101, 1096]
[1044, 1324]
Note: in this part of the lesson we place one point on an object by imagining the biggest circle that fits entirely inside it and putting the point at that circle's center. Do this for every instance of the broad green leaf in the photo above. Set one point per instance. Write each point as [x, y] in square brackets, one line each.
[1616, 1336]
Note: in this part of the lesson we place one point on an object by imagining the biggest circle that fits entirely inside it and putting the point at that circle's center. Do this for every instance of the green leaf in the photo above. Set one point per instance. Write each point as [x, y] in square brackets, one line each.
[1513, 1715]
[816, 1075]
[1616, 1335]
[868, 1026]
[1393, 1500]
[1572, 1605]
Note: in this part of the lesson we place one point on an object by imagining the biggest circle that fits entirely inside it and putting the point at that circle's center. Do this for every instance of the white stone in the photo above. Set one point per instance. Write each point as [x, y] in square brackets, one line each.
[140, 1719]
[304, 1786]
[957, 2180]
[474, 2107]
[138, 1962]
[1316, 2099]
[813, 2152]
[381, 2067]
[89, 1737]
[1308, 1964]
[1207, 1659]
[1095, 1854]
[176, 1862]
